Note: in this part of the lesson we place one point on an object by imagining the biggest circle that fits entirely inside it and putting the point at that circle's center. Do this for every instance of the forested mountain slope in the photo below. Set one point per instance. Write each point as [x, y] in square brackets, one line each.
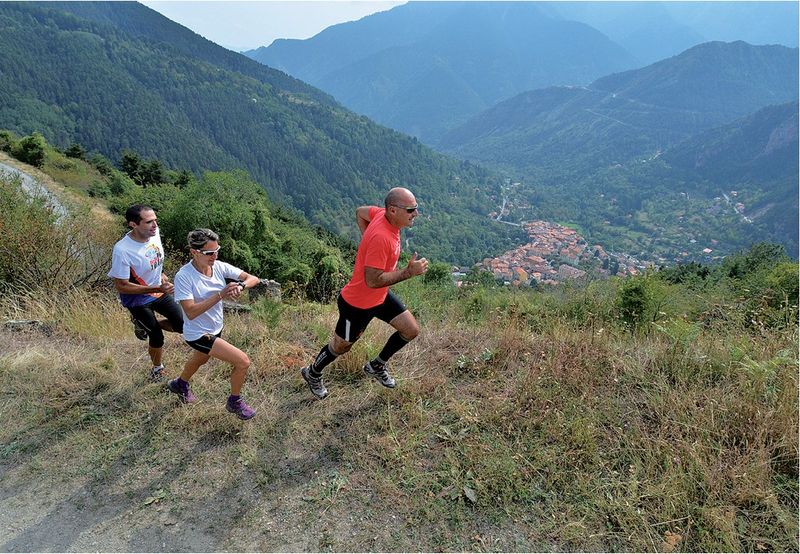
[129, 78]
[635, 113]
[757, 158]
[600, 157]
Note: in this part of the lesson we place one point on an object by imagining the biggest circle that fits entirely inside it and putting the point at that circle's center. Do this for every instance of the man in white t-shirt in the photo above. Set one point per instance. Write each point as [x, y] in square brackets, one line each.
[136, 268]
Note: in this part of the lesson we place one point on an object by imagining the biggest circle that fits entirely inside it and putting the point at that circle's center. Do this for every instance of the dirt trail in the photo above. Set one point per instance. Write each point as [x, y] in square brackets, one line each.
[290, 495]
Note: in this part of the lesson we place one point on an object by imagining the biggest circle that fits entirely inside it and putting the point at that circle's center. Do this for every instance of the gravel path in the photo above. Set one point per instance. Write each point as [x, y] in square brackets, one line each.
[34, 188]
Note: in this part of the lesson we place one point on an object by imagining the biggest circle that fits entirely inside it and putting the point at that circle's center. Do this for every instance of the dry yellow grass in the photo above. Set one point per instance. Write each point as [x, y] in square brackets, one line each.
[497, 437]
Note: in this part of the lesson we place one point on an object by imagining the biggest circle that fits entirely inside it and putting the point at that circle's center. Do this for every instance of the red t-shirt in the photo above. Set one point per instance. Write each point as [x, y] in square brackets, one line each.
[379, 248]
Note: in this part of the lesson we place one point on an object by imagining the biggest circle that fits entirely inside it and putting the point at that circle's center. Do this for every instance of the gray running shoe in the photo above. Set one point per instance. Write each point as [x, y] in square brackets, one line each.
[314, 383]
[138, 329]
[157, 374]
[380, 374]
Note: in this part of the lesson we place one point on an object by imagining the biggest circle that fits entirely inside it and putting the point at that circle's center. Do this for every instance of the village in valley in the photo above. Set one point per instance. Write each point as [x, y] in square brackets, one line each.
[555, 254]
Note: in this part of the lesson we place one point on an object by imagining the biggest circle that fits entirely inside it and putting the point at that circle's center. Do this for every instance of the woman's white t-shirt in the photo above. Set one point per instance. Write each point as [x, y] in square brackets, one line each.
[190, 284]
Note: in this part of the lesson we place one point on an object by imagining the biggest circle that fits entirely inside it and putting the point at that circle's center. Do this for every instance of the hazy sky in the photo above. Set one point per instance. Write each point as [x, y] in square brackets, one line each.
[247, 25]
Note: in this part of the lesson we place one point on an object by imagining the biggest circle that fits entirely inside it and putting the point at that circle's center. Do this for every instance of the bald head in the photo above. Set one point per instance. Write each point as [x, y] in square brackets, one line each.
[399, 196]
[401, 207]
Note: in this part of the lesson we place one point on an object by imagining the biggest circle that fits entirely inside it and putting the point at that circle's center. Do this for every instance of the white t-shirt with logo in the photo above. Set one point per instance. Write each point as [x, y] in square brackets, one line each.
[140, 263]
[190, 284]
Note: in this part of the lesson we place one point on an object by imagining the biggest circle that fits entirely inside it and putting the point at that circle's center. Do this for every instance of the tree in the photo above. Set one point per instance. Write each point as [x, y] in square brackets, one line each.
[131, 165]
[7, 141]
[75, 151]
[31, 150]
[102, 164]
[182, 178]
[152, 173]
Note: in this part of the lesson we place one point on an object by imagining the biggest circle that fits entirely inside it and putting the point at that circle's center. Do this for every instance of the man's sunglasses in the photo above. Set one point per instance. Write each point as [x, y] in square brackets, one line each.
[408, 209]
[210, 252]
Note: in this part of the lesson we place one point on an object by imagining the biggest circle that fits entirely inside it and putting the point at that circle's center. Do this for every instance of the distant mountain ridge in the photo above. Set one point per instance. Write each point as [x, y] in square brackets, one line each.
[652, 30]
[613, 157]
[634, 113]
[424, 67]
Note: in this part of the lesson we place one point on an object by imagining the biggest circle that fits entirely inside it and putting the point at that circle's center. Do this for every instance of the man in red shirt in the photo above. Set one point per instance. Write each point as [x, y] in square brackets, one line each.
[367, 295]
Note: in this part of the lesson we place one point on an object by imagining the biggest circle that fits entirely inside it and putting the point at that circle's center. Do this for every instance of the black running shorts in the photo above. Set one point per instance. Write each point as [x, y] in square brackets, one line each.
[353, 321]
[204, 343]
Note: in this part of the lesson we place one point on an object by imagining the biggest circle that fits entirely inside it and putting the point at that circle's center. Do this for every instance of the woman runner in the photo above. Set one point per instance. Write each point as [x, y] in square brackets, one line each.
[200, 289]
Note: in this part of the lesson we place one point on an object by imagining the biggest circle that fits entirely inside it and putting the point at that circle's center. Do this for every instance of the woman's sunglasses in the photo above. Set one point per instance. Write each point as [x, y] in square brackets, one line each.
[210, 252]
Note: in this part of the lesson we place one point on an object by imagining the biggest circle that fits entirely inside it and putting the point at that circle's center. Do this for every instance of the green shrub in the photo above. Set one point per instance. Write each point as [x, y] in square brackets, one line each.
[481, 277]
[7, 141]
[31, 150]
[760, 256]
[330, 275]
[438, 273]
[296, 274]
[45, 250]
[782, 281]
[99, 189]
[633, 302]
[75, 151]
[102, 164]
[475, 305]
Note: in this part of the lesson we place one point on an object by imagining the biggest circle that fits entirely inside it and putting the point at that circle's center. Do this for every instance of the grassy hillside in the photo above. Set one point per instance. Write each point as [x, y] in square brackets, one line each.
[658, 413]
[116, 76]
[537, 423]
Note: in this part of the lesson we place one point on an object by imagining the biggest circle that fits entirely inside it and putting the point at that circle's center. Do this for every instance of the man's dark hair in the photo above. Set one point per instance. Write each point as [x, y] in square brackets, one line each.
[134, 213]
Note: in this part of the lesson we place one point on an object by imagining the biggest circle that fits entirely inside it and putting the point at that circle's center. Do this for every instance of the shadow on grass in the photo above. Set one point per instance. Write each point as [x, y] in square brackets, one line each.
[200, 524]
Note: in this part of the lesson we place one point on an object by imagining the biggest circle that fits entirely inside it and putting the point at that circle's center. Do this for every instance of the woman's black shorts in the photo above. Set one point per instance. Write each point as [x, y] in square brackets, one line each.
[204, 343]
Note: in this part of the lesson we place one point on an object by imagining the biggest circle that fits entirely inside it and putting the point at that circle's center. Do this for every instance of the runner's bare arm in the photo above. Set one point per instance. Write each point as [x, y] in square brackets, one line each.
[362, 218]
[124, 286]
[249, 281]
[377, 278]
